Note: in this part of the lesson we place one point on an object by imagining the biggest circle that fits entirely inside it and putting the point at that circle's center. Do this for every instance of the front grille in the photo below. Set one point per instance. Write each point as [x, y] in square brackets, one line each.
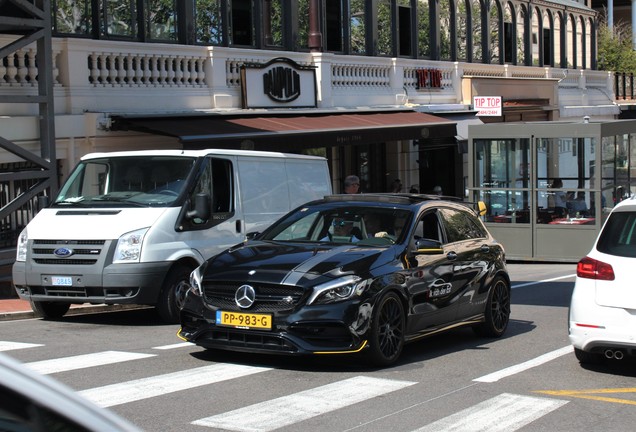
[269, 298]
[85, 252]
[254, 341]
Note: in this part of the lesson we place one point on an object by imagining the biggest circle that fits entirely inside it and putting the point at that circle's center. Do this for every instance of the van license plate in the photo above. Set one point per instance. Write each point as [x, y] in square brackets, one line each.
[244, 320]
[61, 281]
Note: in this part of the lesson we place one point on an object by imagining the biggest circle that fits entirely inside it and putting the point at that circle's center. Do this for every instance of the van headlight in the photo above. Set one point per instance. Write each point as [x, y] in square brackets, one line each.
[337, 290]
[128, 248]
[21, 252]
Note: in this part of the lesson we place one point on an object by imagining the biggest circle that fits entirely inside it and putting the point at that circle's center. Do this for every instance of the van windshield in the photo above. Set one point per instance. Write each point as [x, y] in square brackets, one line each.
[140, 181]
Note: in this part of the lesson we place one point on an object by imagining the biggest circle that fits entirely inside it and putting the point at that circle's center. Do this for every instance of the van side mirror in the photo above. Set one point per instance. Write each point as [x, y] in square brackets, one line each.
[43, 202]
[428, 247]
[201, 207]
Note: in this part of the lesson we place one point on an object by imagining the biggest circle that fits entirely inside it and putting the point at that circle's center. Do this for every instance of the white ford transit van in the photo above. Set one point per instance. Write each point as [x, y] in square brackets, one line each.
[129, 227]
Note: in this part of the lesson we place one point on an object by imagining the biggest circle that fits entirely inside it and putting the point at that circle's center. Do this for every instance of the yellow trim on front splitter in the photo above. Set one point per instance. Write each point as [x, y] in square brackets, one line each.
[344, 352]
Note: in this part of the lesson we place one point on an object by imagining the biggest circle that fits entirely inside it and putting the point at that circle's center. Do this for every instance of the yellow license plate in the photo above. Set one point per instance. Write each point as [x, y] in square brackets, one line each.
[244, 320]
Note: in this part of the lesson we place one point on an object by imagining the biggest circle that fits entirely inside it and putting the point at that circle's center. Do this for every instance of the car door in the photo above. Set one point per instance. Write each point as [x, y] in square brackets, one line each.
[431, 296]
[469, 250]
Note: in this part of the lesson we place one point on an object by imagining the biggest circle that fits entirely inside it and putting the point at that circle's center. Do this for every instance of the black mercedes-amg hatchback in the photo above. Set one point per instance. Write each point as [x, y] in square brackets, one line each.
[352, 274]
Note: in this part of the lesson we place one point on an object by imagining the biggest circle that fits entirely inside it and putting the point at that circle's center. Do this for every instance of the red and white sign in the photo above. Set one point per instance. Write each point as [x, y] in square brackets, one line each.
[487, 105]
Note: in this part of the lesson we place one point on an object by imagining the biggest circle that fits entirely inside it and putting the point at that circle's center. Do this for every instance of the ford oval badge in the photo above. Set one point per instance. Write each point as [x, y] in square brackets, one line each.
[63, 252]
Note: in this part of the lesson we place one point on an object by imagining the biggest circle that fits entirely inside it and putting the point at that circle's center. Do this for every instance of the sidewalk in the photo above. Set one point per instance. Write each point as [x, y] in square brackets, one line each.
[16, 309]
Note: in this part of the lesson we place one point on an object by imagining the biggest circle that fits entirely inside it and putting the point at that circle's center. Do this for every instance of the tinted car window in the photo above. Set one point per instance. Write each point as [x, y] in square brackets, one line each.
[619, 235]
[461, 226]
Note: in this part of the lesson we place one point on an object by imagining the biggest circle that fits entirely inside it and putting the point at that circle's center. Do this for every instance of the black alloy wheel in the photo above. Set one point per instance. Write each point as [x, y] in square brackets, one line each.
[173, 293]
[387, 335]
[497, 313]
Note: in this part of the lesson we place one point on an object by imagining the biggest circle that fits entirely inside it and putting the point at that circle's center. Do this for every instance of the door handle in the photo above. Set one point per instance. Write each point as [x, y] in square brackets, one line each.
[451, 256]
[238, 226]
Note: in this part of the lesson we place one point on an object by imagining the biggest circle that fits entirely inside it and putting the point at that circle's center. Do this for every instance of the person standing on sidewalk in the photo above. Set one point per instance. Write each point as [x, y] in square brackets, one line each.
[352, 184]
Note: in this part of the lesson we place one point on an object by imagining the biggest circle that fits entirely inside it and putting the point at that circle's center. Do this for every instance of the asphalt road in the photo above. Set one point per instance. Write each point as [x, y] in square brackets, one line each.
[527, 381]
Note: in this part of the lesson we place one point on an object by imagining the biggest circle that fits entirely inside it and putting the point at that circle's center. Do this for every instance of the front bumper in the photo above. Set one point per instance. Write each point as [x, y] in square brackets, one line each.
[331, 329]
[116, 284]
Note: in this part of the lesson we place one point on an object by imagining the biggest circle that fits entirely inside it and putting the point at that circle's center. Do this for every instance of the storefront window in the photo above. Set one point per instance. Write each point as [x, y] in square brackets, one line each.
[502, 171]
[72, 17]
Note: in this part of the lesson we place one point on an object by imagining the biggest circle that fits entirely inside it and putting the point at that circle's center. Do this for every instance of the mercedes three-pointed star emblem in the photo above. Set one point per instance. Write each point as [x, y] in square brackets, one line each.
[245, 296]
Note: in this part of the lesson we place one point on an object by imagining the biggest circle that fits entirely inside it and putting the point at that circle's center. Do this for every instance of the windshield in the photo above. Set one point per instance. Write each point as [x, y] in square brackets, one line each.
[363, 225]
[155, 181]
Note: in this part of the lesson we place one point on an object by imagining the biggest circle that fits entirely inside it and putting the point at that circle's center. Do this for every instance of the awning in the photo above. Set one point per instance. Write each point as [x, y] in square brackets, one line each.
[289, 131]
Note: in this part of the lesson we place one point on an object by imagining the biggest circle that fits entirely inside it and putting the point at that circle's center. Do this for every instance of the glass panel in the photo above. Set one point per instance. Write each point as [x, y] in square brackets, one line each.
[622, 167]
[241, 23]
[463, 29]
[208, 22]
[444, 29]
[273, 23]
[333, 16]
[423, 29]
[358, 27]
[119, 18]
[384, 28]
[72, 17]
[608, 170]
[521, 17]
[161, 20]
[476, 31]
[632, 164]
[303, 24]
[501, 169]
[565, 170]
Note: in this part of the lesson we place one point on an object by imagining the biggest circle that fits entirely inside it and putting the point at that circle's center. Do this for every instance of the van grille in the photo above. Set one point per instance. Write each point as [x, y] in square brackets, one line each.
[269, 298]
[85, 252]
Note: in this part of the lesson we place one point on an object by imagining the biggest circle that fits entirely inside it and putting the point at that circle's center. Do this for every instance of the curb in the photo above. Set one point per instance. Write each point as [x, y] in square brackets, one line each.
[77, 310]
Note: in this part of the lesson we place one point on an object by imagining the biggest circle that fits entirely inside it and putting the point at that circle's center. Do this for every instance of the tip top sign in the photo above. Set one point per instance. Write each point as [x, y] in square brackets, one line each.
[487, 105]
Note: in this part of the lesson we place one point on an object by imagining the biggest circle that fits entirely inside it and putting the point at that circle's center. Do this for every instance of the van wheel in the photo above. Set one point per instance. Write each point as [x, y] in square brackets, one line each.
[49, 310]
[387, 331]
[497, 312]
[173, 293]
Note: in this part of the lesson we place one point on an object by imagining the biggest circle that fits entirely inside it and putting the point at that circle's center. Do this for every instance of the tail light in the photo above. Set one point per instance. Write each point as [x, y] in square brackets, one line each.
[589, 268]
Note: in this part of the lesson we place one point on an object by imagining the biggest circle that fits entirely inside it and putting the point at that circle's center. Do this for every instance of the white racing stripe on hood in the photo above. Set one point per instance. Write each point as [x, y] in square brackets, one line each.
[301, 269]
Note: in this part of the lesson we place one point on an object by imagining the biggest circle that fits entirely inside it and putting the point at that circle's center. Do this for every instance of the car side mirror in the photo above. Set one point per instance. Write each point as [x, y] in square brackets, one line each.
[481, 208]
[428, 247]
[251, 235]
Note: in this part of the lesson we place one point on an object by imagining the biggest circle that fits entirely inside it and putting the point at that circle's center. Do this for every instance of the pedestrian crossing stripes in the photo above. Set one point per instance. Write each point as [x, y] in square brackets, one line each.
[287, 410]
[8, 346]
[503, 413]
[117, 394]
[65, 364]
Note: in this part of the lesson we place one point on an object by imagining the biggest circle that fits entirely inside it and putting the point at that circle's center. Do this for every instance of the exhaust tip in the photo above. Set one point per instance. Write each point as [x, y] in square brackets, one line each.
[609, 354]
[618, 355]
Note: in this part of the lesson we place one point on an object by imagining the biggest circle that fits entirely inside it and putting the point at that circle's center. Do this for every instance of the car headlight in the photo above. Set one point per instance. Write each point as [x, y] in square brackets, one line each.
[336, 291]
[129, 247]
[195, 280]
[21, 252]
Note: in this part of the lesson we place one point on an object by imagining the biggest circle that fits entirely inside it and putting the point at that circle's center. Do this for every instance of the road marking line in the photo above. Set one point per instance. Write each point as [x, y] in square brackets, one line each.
[84, 361]
[496, 376]
[593, 394]
[287, 410]
[543, 281]
[144, 388]
[172, 346]
[8, 346]
[504, 413]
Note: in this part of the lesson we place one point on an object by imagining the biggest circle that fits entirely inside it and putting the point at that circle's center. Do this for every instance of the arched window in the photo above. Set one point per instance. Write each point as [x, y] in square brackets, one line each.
[570, 41]
[463, 30]
[495, 32]
[521, 34]
[580, 43]
[589, 31]
[558, 49]
[536, 35]
[548, 39]
[509, 34]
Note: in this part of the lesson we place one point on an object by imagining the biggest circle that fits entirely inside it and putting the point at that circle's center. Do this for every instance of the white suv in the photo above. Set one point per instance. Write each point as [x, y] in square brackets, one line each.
[602, 321]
